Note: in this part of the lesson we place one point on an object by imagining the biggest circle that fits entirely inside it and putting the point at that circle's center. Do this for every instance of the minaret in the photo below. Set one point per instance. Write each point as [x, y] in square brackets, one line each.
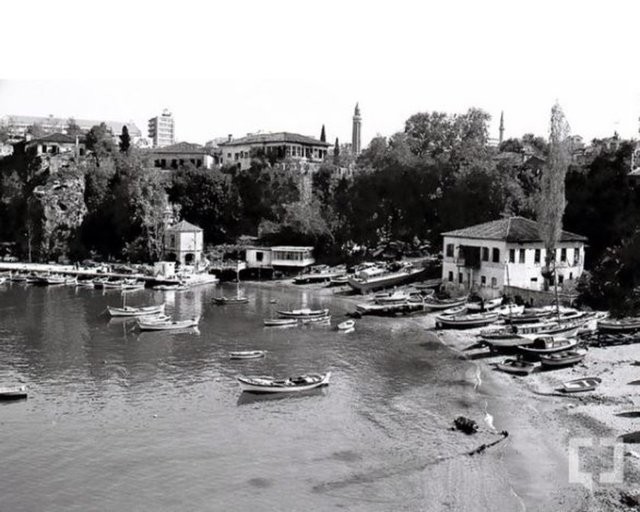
[501, 127]
[355, 136]
[323, 136]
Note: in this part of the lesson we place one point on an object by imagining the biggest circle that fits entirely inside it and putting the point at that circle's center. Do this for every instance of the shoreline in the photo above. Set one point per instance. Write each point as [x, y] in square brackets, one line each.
[547, 421]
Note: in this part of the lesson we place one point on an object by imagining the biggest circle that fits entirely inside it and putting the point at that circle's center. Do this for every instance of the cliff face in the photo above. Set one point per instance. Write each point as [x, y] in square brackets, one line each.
[56, 211]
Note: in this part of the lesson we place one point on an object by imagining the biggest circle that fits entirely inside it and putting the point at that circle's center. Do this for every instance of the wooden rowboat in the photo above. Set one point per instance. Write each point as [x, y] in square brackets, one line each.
[136, 311]
[303, 313]
[584, 384]
[247, 354]
[280, 322]
[346, 325]
[13, 393]
[168, 325]
[516, 366]
[289, 385]
[560, 359]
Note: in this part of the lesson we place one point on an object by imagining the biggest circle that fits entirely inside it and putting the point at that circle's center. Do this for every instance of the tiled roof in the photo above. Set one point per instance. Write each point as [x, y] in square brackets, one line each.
[282, 137]
[183, 225]
[60, 138]
[512, 229]
[180, 147]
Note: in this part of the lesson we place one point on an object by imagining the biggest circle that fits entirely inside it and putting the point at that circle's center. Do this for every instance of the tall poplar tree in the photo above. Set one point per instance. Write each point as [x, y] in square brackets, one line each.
[552, 190]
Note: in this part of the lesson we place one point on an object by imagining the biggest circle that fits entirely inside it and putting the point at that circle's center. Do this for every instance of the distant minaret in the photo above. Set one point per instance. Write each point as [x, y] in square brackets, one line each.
[355, 136]
[323, 136]
[501, 127]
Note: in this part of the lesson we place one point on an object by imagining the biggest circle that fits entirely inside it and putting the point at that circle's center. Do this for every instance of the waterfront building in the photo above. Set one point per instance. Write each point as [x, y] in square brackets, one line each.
[273, 146]
[356, 132]
[18, 125]
[183, 243]
[162, 130]
[279, 257]
[507, 252]
[180, 154]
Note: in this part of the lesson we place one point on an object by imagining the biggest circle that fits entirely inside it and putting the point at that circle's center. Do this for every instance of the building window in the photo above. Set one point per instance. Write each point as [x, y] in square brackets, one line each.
[259, 256]
[563, 254]
[460, 280]
[536, 256]
[576, 256]
[534, 279]
[494, 282]
[449, 250]
[450, 277]
[522, 253]
[172, 241]
[512, 255]
[570, 276]
[483, 280]
[496, 255]
[560, 279]
[485, 254]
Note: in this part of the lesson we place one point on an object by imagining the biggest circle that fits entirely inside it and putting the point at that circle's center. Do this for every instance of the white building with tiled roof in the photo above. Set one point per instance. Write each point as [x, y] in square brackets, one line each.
[18, 125]
[274, 146]
[183, 243]
[181, 154]
[509, 252]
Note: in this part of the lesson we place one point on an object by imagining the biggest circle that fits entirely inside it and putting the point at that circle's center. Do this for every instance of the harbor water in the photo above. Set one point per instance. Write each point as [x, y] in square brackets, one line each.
[122, 420]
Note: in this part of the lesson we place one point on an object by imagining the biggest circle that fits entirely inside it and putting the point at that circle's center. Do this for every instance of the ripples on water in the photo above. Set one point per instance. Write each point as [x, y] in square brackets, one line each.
[118, 420]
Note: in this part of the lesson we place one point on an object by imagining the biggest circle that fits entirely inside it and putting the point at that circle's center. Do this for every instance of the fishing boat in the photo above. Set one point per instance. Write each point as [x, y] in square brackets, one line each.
[13, 393]
[315, 319]
[170, 287]
[161, 317]
[346, 325]
[289, 385]
[527, 316]
[130, 285]
[509, 309]
[85, 282]
[98, 282]
[396, 297]
[458, 310]
[564, 329]
[280, 322]
[303, 313]
[516, 366]
[18, 277]
[465, 321]
[247, 354]
[628, 324]
[544, 345]
[435, 304]
[560, 359]
[50, 279]
[584, 384]
[319, 274]
[377, 278]
[484, 305]
[169, 324]
[136, 311]
[340, 280]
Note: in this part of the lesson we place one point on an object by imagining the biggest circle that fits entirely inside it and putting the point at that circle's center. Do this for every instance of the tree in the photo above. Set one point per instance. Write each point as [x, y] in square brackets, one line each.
[99, 141]
[36, 131]
[336, 152]
[125, 140]
[552, 201]
[323, 136]
[73, 128]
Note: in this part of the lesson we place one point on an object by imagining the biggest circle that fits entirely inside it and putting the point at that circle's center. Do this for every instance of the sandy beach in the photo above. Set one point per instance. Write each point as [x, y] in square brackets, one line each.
[530, 470]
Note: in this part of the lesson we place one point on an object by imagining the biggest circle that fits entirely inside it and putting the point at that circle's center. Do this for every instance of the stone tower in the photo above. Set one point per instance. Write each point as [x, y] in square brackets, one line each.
[501, 127]
[355, 136]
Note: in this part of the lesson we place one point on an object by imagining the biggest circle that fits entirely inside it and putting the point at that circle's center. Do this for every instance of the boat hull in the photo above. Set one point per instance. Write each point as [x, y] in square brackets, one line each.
[250, 386]
[132, 311]
[384, 281]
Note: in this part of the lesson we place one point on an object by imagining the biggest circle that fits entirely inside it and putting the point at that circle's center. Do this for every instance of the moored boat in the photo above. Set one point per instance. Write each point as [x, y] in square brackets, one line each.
[13, 393]
[465, 321]
[377, 278]
[169, 325]
[224, 301]
[543, 345]
[303, 313]
[435, 304]
[289, 385]
[346, 325]
[516, 366]
[484, 305]
[136, 311]
[629, 324]
[247, 354]
[560, 359]
[280, 322]
[584, 384]
[509, 309]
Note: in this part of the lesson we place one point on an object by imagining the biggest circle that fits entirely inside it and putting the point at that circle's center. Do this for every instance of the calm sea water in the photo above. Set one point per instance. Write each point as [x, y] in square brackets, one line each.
[119, 420]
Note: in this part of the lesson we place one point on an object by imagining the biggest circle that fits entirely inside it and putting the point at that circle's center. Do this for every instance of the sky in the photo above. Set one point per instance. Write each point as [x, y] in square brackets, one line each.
[283, 65]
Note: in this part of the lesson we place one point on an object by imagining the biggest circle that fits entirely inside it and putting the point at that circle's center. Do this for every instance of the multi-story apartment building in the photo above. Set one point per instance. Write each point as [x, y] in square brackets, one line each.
[161, 130]
[18, 125]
